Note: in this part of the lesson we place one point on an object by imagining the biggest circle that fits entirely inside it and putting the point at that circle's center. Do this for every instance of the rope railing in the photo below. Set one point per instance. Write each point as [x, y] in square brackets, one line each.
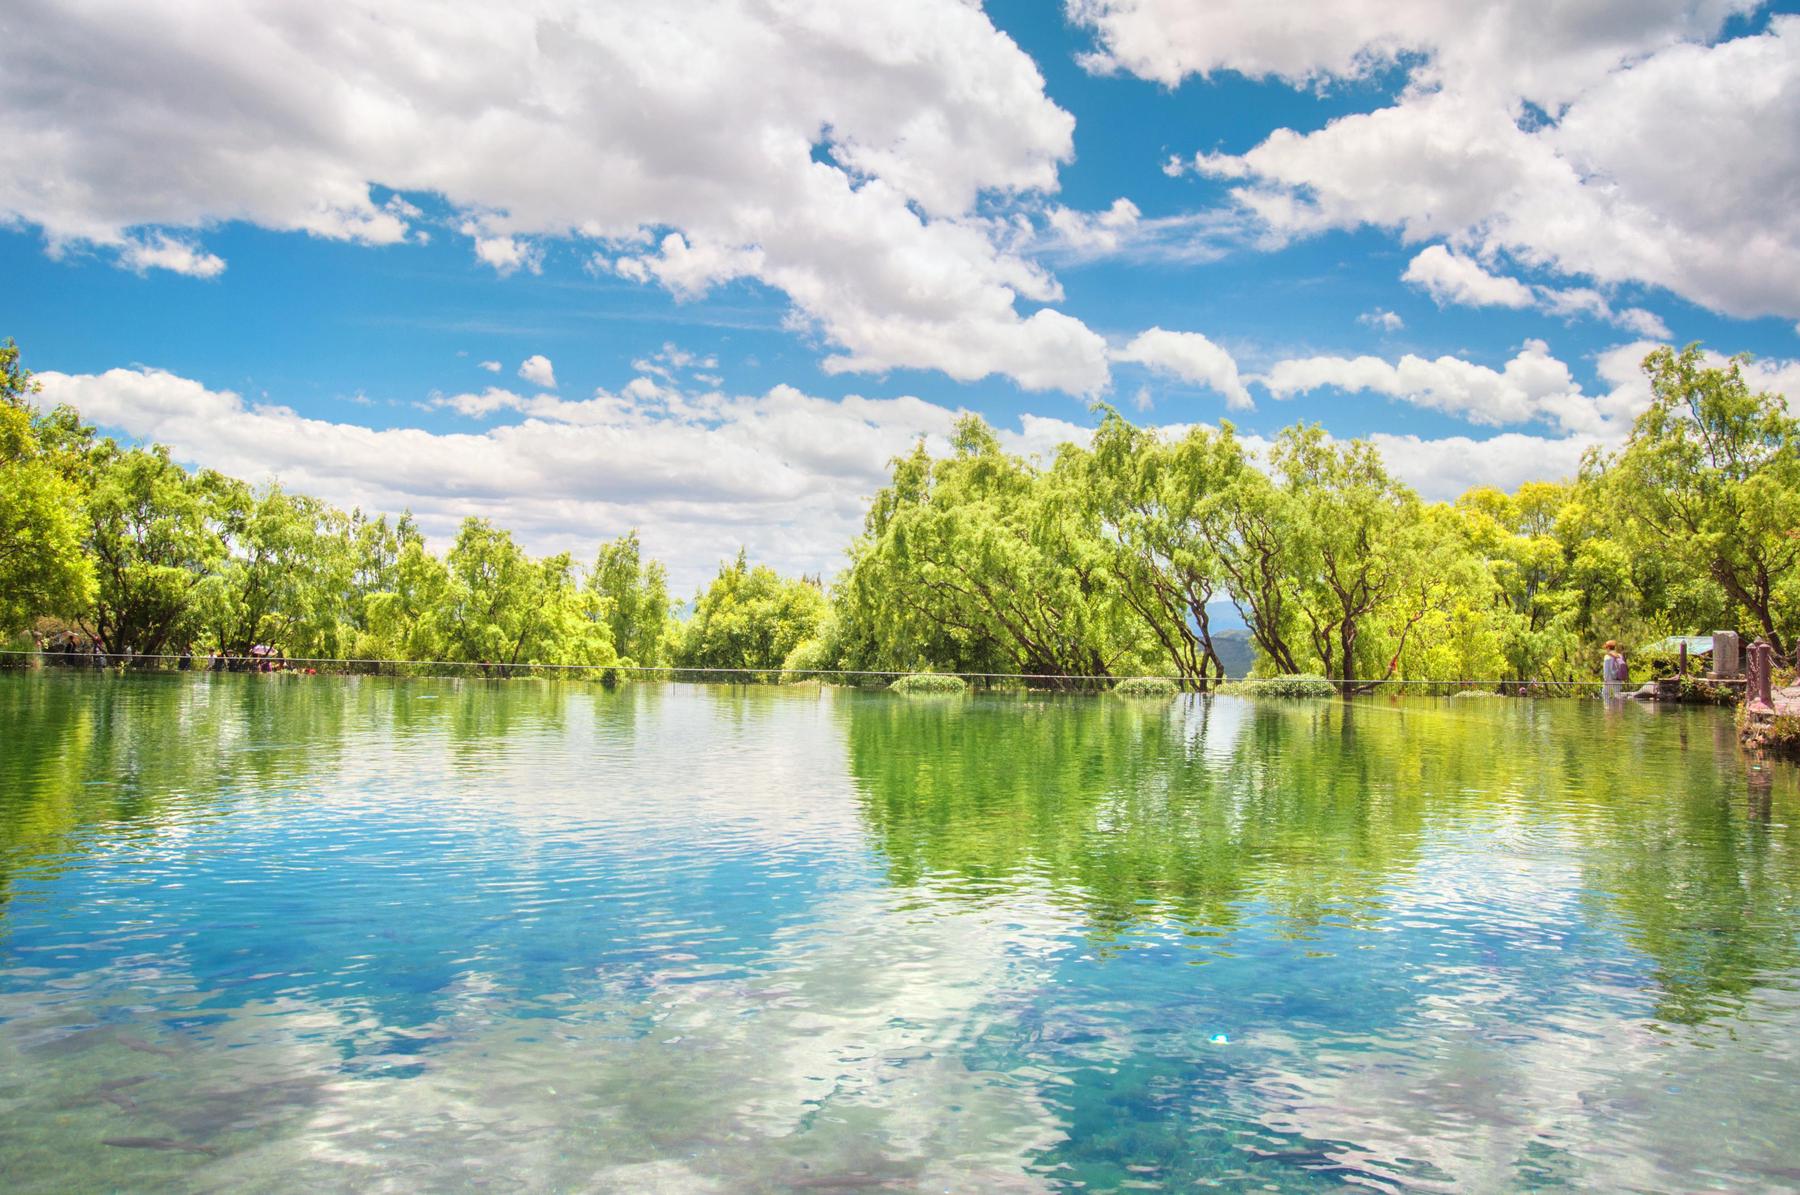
[490, 670]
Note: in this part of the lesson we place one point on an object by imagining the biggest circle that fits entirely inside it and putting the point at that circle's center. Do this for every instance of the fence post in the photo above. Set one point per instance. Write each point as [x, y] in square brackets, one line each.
[1761, 697]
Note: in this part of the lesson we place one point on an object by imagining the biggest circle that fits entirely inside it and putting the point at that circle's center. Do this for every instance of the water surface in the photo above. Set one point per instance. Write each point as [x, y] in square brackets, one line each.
[275, 932]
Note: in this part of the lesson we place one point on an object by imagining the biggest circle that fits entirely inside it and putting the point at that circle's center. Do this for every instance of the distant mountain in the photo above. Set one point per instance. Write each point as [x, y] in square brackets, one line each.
[1222, 615]
[1236, 651]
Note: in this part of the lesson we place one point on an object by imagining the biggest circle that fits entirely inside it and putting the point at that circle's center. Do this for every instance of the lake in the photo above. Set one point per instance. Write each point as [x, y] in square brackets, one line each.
[281, 932]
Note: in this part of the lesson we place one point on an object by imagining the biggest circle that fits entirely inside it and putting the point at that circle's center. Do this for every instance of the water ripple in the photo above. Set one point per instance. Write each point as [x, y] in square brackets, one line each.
[267, 932]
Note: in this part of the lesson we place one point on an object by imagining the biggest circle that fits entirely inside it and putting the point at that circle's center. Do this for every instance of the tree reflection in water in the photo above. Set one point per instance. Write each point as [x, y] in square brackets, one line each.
[1201, 811]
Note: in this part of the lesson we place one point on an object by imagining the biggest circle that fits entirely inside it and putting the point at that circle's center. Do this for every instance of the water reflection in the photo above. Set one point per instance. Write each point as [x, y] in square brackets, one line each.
[1501, 918]
[1128, 812]
[266, 932]
[1315, 812]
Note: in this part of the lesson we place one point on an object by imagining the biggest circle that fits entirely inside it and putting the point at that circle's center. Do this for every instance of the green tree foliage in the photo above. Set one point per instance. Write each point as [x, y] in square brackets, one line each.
[1445, 622]
[288, 566]
[500, 606]
[404, 586]
[749, 617]
[982, 562]
[818, 655]
[631, 596]
[154, 549]
[1353, 543]
[1109, 561]
[42, 568]
[1152, 502]
[374, 547]
[1710, 481]
[1516, 535]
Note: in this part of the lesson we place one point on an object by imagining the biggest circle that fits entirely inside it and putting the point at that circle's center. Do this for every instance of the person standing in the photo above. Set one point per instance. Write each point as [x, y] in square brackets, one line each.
[1613, 672]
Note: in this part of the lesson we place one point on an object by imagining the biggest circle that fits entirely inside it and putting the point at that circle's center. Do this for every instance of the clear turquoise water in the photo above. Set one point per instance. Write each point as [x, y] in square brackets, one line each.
[278, 933]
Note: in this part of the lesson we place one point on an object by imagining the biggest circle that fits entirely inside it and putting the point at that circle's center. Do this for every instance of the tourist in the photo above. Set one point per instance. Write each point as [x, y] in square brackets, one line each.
[1613, 671]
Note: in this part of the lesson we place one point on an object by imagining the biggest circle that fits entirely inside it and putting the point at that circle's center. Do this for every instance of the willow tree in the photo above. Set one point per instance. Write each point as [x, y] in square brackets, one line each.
[399, 613]
[153, 548]
[287, 567]
[1317, 550]
[1356, 534]
[1442, 619]
[1150, 500]
[749, 617]
[884, 619]
[42, 568]
[500, 606]
[375, 549]
[1516, 536]
[1710, 480]
[979, 561]
[1250, 525]
[630, 595]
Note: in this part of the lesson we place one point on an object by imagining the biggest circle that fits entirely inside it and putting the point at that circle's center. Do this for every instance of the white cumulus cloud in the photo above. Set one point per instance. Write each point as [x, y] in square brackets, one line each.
[1533, 386]
[507, 254]
[836, 152]
[1575, 301]
[1616, 142]
[1095, 232]
[784, 473]
[536, 369]
[1451, 278]
[159, 251]
[1545, 50]
[479, 406]
[1190, 357]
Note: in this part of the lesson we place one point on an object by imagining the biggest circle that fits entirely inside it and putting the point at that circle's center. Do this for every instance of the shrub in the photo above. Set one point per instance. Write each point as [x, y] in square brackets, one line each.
[1698, 691]
[1309, 685]
[928, 682]
[807, 660]
[1146, 686]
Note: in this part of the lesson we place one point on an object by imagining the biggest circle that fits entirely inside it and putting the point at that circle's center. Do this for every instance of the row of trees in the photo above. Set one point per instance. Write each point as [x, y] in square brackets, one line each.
[1110, 560]
[146, 557]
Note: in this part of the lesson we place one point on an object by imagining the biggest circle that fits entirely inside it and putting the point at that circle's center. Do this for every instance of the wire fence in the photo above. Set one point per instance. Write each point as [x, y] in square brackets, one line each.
[852, 677]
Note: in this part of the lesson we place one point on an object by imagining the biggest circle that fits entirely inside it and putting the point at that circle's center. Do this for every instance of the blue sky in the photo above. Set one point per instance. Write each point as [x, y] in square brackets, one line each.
[287, 243]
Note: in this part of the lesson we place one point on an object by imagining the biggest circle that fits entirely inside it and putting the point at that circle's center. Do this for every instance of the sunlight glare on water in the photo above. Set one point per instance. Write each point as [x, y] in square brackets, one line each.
[277, 932]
